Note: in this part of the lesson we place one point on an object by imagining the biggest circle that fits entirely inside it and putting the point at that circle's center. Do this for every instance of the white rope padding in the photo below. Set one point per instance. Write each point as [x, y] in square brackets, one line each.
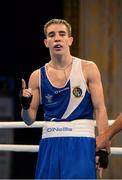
[36, 124]
[19, 124]
[19, 147]
[35, 148]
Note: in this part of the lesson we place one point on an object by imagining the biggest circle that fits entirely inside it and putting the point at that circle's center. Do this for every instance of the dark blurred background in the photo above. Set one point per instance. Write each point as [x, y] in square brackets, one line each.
[22, 51]
[97, 31]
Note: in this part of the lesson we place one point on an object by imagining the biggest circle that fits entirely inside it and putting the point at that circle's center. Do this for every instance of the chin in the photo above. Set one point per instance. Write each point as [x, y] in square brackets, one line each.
[58, 53]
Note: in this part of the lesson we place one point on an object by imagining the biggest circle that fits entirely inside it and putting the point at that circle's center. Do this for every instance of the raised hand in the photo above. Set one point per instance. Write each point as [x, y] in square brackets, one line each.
[25, 96]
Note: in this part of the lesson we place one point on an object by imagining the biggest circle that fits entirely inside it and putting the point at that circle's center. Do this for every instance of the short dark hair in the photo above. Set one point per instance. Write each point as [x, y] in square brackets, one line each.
[57, 21]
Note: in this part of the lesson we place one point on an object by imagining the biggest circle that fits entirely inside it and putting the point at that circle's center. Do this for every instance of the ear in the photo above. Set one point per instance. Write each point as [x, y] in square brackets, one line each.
[70, 40]
[45, 42]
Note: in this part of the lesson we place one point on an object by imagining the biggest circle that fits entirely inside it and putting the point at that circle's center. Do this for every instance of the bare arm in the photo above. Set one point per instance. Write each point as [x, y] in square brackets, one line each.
[29, 116]
[96, 90]
[113, 129]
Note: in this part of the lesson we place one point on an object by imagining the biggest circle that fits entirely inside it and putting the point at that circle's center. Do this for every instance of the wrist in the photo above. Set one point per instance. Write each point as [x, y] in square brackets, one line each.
[25, 101]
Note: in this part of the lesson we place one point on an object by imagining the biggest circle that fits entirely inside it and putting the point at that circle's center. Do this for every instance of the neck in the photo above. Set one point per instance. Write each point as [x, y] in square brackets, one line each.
[61, 64]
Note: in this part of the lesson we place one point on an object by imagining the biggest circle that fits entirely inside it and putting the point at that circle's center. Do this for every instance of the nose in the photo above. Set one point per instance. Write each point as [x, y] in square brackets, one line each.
[57, 37]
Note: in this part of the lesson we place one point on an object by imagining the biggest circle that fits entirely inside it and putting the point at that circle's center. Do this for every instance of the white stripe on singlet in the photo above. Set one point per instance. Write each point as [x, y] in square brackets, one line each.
[75, 128]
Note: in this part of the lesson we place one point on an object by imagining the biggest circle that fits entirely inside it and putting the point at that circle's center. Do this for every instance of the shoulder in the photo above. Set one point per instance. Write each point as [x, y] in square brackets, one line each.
[34, 78]
[90, 69]
[85, 63]
[88, 64]
[35, 73]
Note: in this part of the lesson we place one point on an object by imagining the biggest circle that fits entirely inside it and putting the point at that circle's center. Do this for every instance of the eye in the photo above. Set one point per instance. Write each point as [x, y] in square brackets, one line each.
[51, 34]
[62, 33]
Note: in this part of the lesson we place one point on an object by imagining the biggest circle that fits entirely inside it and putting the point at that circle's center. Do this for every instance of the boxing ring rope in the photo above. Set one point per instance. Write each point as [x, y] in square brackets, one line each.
[36, 124]
[34, 148]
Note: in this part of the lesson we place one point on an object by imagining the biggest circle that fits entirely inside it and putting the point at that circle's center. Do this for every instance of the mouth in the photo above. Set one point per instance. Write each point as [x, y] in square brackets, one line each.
[57, 46]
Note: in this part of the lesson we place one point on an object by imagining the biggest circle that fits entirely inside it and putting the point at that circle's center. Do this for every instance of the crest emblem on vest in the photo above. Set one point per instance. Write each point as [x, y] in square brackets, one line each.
[49, 98]
[77, 92]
